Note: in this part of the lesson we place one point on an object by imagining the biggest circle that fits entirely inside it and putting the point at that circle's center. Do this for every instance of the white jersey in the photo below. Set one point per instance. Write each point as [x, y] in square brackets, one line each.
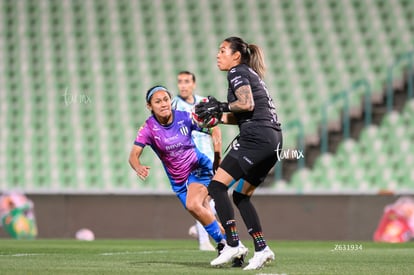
[201, 140]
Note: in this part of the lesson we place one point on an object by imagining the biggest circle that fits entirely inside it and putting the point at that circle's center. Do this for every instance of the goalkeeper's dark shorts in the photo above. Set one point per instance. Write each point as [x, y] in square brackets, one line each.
[253, 154]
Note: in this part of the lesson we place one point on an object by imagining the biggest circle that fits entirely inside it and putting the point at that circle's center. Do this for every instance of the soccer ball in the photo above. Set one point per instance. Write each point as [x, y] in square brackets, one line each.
[203, 123]
[213, 121]
[85, 234]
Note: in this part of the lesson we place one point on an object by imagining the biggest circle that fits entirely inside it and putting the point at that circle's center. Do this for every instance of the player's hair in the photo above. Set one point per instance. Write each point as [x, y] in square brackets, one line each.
[189, 73]
[251, 54]
[154, 89]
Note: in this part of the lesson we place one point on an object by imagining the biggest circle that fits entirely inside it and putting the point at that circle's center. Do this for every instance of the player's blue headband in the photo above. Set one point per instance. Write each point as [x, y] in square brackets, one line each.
[154, 90]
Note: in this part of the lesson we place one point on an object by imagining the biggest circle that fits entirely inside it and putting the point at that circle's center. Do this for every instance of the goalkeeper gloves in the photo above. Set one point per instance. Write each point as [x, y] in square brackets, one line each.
[211, 108]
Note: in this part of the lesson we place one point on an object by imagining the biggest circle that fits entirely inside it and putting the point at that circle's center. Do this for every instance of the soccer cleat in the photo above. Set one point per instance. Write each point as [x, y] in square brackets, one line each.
[228, 253]
[237, 262]
[220, 247]
[207, 246]
[260, 258]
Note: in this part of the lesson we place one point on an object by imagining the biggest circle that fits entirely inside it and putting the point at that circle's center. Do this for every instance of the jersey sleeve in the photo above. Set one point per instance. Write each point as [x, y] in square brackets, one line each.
[143, 137]
[238, 77]
[174, 102]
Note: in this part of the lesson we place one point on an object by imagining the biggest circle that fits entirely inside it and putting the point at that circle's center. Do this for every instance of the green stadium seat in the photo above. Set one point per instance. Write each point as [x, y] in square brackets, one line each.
[379, 161]
[301, 181]
[114, 50]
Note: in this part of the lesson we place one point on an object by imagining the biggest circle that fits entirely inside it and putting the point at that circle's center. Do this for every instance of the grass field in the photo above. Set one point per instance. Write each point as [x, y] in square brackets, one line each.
[183, 257]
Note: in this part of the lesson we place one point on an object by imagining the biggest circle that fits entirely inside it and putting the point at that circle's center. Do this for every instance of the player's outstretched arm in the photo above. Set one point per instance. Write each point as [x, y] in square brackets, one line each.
[141, 170]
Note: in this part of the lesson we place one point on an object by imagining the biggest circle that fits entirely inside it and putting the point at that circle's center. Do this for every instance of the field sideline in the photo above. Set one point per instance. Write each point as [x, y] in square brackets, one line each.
[45, 256]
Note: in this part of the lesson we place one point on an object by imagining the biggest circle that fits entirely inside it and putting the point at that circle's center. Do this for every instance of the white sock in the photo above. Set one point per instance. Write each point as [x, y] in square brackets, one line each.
[213, 207]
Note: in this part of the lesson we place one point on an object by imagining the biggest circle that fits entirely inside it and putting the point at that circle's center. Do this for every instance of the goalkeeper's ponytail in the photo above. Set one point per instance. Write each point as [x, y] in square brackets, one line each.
[257, 60]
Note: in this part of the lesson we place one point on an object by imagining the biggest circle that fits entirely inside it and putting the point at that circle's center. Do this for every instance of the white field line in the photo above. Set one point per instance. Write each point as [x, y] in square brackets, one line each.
[22, 254]
[141, 252]
[102, 254]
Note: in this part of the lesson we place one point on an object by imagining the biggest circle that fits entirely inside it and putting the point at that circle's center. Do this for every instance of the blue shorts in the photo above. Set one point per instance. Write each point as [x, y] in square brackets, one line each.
[202, 175]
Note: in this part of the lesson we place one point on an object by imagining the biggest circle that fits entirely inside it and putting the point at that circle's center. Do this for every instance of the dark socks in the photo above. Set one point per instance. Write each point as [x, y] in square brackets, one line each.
[250, 218]
[231, 233]
[225, 211]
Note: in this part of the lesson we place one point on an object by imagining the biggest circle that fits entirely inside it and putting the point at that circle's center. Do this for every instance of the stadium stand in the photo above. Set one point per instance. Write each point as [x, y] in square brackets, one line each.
[378, 162]
[73, 75]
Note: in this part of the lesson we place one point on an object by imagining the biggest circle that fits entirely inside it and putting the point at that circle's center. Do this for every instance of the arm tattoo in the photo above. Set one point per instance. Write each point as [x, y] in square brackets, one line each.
[244, 100]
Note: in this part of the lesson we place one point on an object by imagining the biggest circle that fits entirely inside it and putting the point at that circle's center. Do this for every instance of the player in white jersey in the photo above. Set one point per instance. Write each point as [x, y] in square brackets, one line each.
[208, 145]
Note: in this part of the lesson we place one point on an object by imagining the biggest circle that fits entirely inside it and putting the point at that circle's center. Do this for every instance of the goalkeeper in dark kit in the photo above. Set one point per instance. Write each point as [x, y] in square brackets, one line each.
[253, 153]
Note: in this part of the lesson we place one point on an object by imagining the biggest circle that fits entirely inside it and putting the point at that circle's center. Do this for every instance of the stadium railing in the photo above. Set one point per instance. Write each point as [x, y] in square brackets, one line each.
[409, 57]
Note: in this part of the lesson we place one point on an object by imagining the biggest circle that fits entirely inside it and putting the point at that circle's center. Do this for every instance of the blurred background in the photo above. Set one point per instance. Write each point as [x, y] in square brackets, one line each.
[73, 77]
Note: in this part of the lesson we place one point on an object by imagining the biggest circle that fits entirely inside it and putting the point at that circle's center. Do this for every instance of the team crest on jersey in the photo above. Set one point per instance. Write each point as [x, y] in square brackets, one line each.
[184, 130]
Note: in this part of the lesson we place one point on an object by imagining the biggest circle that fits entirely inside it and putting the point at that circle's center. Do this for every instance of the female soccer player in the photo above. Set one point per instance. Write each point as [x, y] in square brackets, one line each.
[252, 155]
[210, 145]
[168, 132]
